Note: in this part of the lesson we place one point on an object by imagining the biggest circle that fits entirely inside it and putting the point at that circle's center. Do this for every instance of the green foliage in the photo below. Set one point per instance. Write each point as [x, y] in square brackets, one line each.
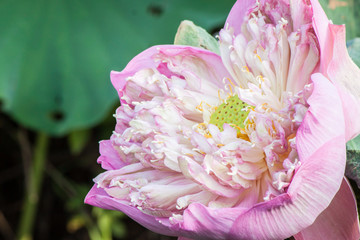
[101, 223]
[354, 144]
[56, 56]
[77, 140]
[353, 166]
[343, 12]
[354, 50]
[353, 160]
[190, 34]
[110, 223]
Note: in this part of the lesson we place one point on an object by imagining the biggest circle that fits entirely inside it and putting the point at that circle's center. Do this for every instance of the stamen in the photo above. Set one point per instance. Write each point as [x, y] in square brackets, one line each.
[236, 126]
[228, 87]
[258, 57]
[199, 151]
[245, 69]
[207, 135]
[221, 100]
[200, 107]
[232, 84]
[201, 125]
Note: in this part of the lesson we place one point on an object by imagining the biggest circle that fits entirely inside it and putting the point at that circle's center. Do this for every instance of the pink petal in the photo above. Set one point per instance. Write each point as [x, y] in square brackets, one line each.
[321, 27]
[238, 13]
[209, 223]
[300, 13]
[146, 60]
[184, 238]
[351, 108]
[310, 192]
[109, 159]
[99, 198]
[322, 155]
[344, 73]
[336, 64]
[143, 60]
[338, 221]
[193, 170]
[324, 119]
[313, 187]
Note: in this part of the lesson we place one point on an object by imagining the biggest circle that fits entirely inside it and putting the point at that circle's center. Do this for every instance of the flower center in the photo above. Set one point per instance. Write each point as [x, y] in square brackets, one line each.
[233, 112]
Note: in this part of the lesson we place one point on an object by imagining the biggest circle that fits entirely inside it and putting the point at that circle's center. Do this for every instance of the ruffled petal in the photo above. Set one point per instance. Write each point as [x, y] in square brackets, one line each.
[324, 118]
[238, 13]
[310, 192]
[99, 198]
[146, 59]
[301, 13]
[109, 159]
[338, 221]
[313, 187]
[143, 60]
[193, 170]
[208, 223]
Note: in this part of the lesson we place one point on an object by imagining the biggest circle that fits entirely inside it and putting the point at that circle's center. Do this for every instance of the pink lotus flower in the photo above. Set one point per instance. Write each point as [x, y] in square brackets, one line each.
[249, 145]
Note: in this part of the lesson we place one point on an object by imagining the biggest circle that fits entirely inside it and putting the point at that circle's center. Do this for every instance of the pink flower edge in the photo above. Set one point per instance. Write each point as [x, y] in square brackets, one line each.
[313, 187]
[99, 198]
[337, 65]
[327, 224]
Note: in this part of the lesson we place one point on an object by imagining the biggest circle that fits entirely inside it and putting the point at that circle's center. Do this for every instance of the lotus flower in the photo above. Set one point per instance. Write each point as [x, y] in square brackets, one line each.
[246, 145]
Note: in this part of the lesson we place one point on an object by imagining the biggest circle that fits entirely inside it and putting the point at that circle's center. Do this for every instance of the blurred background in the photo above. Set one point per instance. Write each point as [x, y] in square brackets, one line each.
[57, 101]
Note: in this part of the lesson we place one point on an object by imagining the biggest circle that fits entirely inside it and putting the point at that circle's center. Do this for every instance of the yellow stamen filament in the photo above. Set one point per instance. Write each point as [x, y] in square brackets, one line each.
[202, 129]
[241, 133]
[199, 151]
[200, 107]
[246, 69]
[221, 100]
[258, 57]
[201, 125]
[231, 91]
[207, 135]
[236, 126]
[232, 84]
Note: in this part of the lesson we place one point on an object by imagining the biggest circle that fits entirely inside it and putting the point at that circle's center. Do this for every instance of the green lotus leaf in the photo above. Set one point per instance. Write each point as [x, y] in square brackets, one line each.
[56, 55]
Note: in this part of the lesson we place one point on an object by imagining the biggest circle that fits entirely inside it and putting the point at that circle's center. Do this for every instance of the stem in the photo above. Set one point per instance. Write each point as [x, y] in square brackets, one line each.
[36, 173]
